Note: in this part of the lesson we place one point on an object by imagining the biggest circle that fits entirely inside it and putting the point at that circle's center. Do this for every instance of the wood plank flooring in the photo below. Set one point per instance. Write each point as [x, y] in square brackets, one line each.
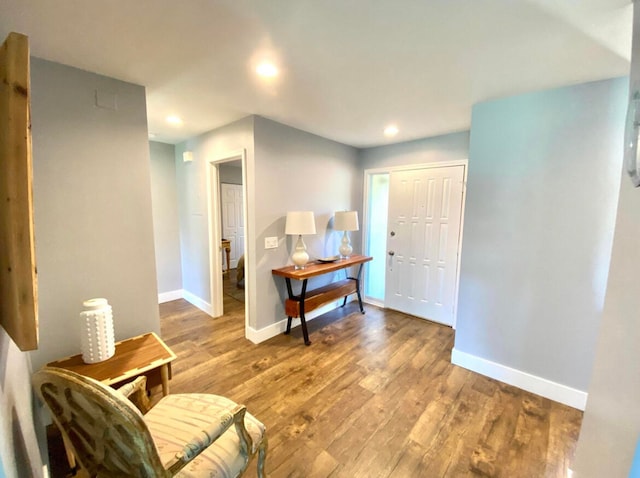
[375, 395]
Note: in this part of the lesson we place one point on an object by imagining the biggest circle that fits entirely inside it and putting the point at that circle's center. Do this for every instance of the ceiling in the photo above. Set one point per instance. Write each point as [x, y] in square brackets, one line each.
[347, 68]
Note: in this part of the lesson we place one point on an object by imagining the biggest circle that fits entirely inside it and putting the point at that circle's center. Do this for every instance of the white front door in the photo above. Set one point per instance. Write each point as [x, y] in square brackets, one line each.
[425, 211]
[232, 220]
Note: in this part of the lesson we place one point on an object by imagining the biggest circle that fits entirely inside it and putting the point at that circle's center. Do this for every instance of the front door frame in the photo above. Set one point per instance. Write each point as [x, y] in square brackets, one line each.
[365, 211]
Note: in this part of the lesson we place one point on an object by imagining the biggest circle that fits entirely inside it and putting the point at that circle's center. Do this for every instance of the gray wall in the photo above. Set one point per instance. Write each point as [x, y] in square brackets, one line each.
[611, 425]
[231, 173]
[166, 227]
[297, 171]
[449, 147]
[92, 201]
[287, 169]
[192, 198]
[540, 208]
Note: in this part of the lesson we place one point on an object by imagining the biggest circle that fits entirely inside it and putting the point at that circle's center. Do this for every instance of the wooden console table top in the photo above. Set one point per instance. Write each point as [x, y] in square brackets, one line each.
[317, 268]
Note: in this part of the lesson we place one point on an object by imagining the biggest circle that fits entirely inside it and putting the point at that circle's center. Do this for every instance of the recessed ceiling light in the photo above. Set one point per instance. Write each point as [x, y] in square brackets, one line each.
[267, 70]
[174, 120]
[391, 130]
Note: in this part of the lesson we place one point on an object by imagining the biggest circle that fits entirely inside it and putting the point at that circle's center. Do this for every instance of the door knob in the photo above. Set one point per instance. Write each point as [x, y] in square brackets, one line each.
[391, 253]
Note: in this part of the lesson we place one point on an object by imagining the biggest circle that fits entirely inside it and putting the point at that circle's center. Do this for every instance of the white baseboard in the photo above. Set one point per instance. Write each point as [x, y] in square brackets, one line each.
[260, 335]
[198, 302]
[372, 301]
[531, 383]
[169, 296]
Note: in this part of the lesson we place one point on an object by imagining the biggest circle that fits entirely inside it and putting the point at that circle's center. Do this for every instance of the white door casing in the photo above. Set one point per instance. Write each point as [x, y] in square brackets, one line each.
[233, 220]
[425, 212]
[214, 202]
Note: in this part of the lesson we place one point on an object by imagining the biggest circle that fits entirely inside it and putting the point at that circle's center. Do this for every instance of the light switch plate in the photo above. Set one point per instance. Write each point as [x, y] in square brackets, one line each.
[270, 242]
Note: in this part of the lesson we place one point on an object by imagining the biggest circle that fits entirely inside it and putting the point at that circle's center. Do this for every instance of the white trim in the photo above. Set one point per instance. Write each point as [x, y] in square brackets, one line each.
[198, 302]
[531, 383]
[459, 252]
[372, 301]
[408, 167]
[260, 335]
[214, 220]
[170, 295]
[228, 156]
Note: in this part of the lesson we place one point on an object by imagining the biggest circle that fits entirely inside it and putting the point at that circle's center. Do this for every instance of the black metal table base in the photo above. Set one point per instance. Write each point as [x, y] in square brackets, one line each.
[301, 300]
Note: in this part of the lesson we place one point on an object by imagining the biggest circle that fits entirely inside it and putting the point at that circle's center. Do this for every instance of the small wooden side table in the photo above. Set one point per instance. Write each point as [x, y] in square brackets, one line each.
[142, 355]
[226, 245]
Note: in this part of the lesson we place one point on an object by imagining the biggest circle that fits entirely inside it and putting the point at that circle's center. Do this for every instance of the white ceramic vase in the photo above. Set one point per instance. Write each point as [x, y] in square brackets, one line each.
[97, 337]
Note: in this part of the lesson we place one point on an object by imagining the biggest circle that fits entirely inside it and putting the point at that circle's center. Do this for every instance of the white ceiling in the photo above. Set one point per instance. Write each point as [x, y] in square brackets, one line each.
[348, 67]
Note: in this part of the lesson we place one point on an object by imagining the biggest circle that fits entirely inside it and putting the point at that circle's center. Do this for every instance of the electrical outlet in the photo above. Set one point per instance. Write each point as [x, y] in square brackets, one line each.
[270, 242]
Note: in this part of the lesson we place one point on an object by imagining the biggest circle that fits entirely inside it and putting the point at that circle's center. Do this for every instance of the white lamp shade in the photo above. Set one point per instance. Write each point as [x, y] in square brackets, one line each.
[346, 221]
[300, 222]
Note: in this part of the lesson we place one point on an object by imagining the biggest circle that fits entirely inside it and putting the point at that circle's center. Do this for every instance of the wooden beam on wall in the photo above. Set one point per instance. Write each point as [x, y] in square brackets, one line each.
[18, 285]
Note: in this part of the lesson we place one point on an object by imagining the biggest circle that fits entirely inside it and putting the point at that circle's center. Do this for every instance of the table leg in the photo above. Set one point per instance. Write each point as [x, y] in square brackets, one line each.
[228, 253]
[290, 293]
[358, 288]
[164, 373]
[303, 320]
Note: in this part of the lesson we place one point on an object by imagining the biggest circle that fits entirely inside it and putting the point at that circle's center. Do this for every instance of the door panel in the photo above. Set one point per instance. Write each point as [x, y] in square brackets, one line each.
[233, 220]
[425, 208]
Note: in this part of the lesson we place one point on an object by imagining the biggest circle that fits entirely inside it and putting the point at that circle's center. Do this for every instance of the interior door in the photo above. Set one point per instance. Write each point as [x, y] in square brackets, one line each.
[425, 212]
[233, 220]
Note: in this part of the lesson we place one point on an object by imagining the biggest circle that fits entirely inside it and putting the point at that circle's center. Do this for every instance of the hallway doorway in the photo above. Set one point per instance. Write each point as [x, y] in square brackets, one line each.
[227, 216]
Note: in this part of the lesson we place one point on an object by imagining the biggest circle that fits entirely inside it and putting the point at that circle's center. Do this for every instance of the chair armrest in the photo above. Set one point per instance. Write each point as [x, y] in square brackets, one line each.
[136, 391]
[206, 437]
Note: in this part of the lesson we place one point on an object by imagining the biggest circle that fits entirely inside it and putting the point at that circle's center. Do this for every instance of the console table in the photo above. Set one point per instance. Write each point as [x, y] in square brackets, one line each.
[298, 305]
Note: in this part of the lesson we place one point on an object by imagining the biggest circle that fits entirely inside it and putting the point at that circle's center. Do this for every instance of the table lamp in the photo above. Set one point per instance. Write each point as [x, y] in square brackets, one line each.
[299, 223]
[346, 221]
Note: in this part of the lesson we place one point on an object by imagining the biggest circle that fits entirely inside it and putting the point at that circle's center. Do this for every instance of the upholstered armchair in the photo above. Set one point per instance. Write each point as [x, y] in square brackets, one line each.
[190, 435]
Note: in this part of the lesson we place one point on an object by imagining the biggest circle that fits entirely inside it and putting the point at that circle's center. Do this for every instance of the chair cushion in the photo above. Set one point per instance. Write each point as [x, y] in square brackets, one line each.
[176, 419]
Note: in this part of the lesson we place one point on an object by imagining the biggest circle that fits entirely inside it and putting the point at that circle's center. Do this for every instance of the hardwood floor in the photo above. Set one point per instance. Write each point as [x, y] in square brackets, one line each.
[375, 395]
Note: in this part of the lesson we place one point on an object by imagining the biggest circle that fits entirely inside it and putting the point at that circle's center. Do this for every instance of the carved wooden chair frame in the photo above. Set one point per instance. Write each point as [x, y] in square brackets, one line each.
[109, 436]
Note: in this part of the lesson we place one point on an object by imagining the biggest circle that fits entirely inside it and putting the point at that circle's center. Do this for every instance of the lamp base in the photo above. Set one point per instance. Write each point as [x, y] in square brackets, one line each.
[345, 246]
[300, 256]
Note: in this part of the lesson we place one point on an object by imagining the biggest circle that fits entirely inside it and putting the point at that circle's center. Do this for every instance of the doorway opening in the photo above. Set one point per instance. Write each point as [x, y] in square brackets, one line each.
[231, 213]
[232, 228]
[413, 230]
[376, 212]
